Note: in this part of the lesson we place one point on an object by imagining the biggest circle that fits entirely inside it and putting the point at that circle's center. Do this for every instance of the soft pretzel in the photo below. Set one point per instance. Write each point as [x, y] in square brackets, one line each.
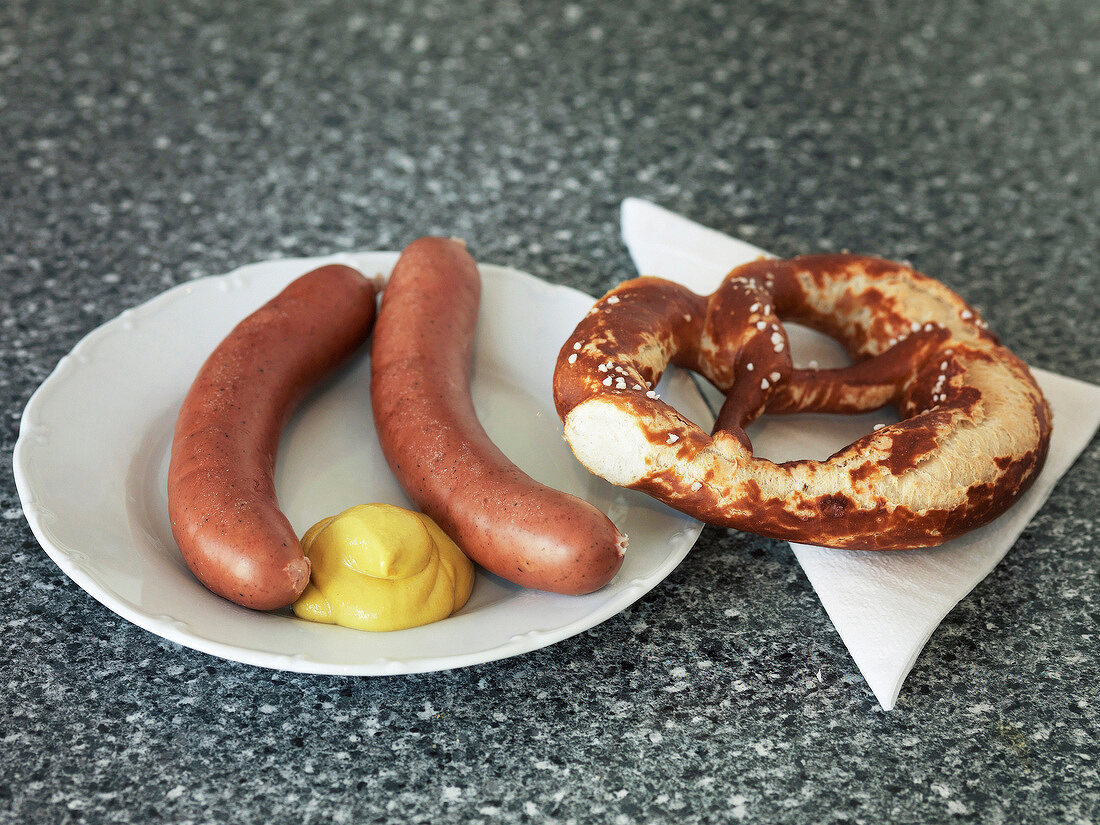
[975, 426]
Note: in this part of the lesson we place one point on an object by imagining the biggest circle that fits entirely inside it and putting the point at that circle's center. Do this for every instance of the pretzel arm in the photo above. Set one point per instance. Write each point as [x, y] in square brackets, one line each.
[860, 387]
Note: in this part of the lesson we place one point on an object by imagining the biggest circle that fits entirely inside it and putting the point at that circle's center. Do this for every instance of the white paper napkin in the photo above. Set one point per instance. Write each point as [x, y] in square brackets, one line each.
[884, 605]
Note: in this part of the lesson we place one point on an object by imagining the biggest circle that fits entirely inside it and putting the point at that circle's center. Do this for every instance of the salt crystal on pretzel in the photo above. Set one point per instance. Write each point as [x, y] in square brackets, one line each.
[975, 426]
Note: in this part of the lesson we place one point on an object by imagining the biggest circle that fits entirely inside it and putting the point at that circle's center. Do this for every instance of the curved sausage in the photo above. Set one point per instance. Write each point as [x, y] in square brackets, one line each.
[503, 519]
[221, 477]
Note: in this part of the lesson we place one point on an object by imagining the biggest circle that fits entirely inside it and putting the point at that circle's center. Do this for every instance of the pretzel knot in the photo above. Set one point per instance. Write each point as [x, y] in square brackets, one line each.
[975, 426]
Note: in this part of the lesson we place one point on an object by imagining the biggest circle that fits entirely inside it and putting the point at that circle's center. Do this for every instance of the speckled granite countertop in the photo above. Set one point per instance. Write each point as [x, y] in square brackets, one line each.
[145, 144]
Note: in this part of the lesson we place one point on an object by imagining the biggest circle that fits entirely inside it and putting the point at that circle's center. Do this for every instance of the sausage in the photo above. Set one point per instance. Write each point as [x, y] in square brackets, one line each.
[503, 519]
[221, 477]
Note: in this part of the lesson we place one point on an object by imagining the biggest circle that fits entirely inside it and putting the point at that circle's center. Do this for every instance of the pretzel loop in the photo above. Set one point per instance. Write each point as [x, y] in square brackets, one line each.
[975, 426]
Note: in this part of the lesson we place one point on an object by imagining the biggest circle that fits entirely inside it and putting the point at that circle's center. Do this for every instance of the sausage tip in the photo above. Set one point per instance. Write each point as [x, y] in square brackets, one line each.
[297, 571]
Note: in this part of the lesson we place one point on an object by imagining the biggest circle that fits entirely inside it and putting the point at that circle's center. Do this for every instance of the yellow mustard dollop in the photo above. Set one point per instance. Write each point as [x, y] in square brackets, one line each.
[382, 567]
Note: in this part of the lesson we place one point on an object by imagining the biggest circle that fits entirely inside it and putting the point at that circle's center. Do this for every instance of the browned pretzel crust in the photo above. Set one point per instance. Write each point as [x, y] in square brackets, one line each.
[974, 436]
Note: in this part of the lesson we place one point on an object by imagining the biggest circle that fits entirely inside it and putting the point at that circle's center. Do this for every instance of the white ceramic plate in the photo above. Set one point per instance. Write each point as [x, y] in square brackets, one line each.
[92, 457]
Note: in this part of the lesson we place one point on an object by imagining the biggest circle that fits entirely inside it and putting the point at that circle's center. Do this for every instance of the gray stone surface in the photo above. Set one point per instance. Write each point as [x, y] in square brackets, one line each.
[143, 144]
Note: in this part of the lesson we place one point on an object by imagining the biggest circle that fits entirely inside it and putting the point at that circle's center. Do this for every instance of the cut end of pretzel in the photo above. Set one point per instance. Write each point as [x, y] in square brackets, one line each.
[608, 440]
